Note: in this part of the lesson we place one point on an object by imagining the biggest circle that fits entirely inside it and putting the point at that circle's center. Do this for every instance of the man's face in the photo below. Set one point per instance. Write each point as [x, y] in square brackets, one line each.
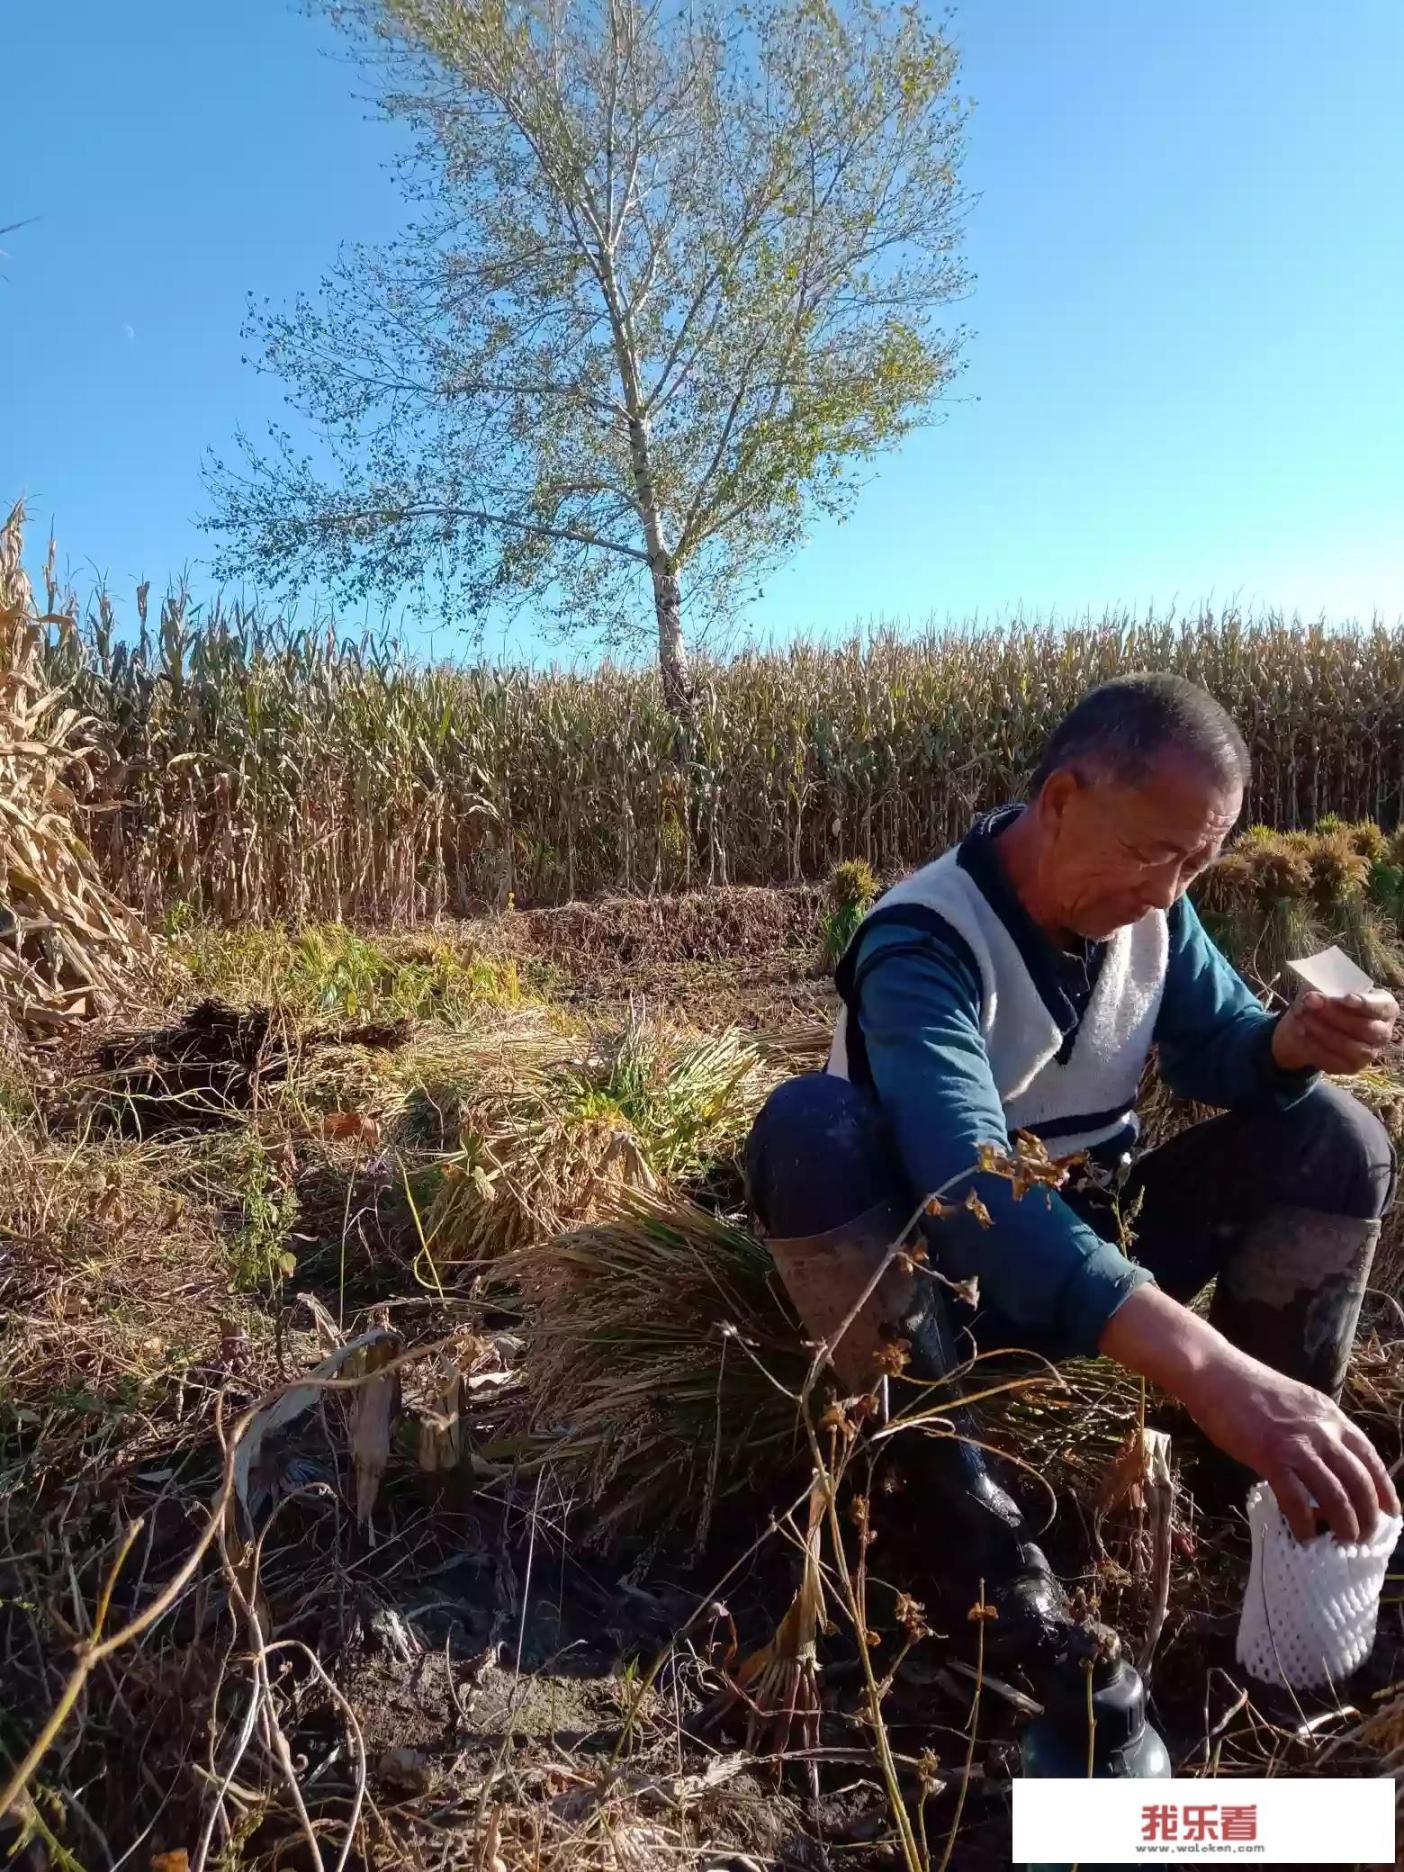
[1112, 852]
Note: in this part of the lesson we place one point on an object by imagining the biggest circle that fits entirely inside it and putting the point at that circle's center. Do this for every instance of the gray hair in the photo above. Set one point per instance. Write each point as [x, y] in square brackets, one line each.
[1123, 726]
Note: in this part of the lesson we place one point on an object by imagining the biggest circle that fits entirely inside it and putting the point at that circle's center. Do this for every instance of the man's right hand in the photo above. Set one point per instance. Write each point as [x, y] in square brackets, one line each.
[1316, 1461]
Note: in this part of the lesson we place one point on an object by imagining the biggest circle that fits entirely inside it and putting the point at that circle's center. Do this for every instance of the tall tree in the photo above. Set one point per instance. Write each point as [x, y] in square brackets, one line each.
[674, 270]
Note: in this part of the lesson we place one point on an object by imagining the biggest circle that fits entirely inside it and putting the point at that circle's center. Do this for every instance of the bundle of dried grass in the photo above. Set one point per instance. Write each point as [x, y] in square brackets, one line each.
[661, 1369]
[66, 944]
[646, 1109]
[527, 1170]
[853, 888]
[1275, 895]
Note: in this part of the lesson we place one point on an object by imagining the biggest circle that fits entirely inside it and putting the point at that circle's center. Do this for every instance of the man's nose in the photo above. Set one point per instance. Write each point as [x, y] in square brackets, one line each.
[1161, 888]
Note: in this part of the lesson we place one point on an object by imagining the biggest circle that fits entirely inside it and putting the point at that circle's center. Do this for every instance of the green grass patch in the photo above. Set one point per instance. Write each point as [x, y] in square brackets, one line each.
[328, 970]
[261, 1255]
[683, 1103]
[16, 1100]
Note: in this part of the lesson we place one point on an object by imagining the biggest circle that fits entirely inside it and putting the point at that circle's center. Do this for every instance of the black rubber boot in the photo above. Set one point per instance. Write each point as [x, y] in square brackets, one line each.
[950, 1481]
[1289, 1294]
[1033, 1619]
[1291, 1291]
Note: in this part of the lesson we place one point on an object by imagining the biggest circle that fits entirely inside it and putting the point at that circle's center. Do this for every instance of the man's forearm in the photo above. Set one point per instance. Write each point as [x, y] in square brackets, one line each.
[1318, 1463]
[1157, 1338]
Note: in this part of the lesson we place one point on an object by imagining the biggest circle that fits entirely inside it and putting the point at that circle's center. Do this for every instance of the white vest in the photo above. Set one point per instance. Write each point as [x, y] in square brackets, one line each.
[1091, 1096]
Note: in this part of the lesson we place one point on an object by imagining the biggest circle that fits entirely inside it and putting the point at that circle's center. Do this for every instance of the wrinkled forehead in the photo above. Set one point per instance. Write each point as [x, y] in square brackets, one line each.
[1180, 801]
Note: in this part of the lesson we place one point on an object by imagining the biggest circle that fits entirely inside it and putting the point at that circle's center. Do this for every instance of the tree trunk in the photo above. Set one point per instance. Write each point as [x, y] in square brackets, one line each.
[678, 698]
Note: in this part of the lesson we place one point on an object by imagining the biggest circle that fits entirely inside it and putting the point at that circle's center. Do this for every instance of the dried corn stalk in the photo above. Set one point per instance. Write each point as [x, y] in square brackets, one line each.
[66, 943]
[441, 1423]
[271, 772]
[1141, 1477]
[374, 1406]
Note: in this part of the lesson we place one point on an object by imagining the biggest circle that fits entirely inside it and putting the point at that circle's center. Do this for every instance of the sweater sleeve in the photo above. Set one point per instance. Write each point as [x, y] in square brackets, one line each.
[1213, 1036]
[1039, 1265]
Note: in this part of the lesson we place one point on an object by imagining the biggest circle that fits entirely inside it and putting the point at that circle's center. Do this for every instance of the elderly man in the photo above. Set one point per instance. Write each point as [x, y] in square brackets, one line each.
[1017, 985]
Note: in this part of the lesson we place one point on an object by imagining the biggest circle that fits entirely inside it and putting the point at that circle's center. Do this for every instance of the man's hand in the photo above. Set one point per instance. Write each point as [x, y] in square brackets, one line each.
[1334, 1035]
[1313, 1457]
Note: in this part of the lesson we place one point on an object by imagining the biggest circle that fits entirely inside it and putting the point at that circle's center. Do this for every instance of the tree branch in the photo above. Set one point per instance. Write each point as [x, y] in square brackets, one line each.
[386, 516]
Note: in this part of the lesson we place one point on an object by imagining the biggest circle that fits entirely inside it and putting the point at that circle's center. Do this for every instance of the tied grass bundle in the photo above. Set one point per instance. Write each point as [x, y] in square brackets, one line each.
[661, 1368]
[649, 1109]
[66, 943]
[852, 891]
[527, 1169]
[1276, 895]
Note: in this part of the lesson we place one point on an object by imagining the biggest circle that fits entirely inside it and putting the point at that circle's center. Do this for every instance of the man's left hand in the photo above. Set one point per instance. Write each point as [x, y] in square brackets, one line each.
[1340, 1034]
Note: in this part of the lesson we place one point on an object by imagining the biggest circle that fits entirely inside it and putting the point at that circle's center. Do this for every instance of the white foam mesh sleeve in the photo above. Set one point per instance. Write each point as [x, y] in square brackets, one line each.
[1310, 1610]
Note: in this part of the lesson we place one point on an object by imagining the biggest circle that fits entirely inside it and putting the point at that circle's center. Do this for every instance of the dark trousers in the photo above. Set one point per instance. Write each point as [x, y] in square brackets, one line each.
[820, 1155]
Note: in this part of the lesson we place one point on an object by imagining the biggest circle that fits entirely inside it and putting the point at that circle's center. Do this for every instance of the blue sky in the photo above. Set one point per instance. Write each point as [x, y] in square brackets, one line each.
[1184, 378]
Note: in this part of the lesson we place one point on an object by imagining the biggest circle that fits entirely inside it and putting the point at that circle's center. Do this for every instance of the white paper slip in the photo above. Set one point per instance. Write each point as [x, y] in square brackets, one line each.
[1332, 973]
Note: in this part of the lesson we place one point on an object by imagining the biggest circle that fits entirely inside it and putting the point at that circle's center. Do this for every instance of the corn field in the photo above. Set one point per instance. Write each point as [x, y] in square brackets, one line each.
[250, 769]
[66, 945]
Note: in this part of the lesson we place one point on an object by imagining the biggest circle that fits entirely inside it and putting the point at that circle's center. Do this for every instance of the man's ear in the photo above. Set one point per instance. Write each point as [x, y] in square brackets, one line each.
[1057, 793]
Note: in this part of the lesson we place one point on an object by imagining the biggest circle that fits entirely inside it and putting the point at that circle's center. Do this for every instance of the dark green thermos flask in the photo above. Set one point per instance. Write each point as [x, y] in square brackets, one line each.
[1123, 1744]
